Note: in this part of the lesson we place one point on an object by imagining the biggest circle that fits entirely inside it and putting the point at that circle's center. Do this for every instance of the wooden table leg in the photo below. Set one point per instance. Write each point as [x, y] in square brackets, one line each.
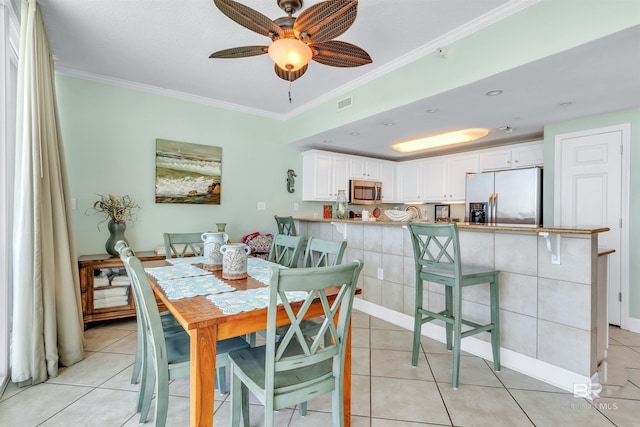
[347, 381]
[202, 375]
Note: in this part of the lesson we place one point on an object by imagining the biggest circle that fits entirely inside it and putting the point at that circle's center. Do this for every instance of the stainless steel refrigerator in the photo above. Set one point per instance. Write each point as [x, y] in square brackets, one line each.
[505, 197]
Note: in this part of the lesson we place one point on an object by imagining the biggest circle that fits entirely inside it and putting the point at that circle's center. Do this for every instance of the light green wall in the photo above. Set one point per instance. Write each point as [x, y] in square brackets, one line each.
[543, 29]
[109, 137]
[628, 116]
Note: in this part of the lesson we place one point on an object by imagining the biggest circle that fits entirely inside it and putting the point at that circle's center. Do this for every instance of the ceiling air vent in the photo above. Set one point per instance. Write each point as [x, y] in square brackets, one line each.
[345, 103]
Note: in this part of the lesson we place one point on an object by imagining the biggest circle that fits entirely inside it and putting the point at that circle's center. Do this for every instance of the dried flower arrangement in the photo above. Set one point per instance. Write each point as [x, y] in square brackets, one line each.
[117, 209]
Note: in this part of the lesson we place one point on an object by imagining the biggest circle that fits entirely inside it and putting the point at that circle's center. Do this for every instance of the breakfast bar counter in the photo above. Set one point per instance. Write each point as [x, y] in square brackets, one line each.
[467, 225]
[550, 309]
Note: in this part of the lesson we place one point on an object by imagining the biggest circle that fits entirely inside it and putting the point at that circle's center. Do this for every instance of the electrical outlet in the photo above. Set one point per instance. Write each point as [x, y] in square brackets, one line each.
[262, 206]
[380, 274]
[74, 204]
[295, 207]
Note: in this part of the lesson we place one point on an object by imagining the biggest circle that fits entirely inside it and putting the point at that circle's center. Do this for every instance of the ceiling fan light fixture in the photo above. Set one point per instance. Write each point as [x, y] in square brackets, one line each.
[290, 54]
[441, 140]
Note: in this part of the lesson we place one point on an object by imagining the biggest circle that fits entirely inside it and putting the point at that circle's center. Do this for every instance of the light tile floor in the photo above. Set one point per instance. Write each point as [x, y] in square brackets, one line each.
[387, 391]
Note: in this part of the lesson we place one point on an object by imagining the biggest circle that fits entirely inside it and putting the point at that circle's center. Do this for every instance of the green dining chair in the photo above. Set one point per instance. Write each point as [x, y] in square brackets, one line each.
[436, 251]
[166, 355]
[286, 225]
[323, 253]
[319, 253]
[285, 250]
[292, 370]
[179, 244]
[175, 245]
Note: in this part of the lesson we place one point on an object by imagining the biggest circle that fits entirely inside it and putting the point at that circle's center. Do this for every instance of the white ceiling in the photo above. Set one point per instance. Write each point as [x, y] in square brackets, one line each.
[163, 46]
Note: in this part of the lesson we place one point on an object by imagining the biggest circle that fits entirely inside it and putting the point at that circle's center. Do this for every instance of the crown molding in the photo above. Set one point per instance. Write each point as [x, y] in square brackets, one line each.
[184, 96]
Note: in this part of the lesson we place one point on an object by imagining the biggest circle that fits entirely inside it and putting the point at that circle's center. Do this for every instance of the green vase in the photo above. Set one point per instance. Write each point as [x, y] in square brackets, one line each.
[116, 233]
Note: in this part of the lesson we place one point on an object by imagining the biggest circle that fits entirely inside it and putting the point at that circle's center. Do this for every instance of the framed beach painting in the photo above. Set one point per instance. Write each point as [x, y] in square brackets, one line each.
[188, 173]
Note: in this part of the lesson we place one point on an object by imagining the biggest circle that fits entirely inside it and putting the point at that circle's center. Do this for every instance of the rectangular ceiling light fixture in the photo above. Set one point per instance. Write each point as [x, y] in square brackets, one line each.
[441, 140]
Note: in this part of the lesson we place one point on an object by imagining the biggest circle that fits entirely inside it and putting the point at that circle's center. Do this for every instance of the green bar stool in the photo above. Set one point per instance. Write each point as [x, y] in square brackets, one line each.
[436, 249]
[286, 225]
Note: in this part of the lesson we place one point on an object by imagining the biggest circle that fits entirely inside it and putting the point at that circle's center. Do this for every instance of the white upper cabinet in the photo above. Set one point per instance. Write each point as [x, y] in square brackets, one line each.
[528, 155]
[513, 156]
[444, 177]
[434, 172]
[459, 166]
[323, 174]
[388, 179]
[439, 179]
[409, 182]
[363, 168]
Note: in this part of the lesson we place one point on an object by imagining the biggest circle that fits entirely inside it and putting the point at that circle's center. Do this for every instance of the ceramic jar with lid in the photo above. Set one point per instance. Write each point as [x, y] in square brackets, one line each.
[234, 260]
[212, 244]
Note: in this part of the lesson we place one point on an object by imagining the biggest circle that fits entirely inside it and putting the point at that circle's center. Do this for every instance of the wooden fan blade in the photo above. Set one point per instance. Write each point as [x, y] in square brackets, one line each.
[249, 18]
[240, 52]
[326, 20]
[285, 75]
[339, 54]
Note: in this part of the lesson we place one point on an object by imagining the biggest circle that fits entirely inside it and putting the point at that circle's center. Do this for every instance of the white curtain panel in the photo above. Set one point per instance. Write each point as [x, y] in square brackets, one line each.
[47, 315]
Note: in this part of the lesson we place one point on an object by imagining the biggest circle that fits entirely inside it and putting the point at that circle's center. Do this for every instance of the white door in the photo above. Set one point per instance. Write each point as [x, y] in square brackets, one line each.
[590, 191]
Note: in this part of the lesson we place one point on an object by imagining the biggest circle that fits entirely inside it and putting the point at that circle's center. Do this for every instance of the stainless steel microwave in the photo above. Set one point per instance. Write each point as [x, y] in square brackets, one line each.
[364, 192]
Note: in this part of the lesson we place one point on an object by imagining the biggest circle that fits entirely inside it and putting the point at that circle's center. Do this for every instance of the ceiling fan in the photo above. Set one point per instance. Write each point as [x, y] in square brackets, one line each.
[295, 41]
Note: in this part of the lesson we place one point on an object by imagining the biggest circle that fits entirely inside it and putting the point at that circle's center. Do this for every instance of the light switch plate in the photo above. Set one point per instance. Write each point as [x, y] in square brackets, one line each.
[262, 206]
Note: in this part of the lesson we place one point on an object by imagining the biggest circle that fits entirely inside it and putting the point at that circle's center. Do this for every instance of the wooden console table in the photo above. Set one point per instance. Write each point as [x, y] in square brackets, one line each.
[87, 265]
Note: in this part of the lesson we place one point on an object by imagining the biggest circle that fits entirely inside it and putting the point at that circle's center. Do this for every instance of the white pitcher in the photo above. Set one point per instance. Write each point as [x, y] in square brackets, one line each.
[212, 244]
[234, 260]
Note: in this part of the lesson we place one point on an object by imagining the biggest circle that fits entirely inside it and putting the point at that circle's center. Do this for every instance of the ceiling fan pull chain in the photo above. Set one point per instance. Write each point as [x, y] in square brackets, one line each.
[289, 85]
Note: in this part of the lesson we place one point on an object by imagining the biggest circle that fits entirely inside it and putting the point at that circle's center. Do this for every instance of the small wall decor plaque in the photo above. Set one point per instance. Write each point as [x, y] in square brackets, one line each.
[188, 173]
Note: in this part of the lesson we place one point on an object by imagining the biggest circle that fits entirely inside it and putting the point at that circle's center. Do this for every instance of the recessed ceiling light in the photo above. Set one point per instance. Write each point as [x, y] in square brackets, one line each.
[449, 138]
[431, 110]
[389, 124]
[354, 133]
[494, 92]
[565, 104]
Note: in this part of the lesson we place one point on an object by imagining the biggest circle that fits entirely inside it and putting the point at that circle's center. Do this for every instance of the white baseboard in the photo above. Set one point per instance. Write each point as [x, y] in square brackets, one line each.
[634, 324]
[543, 371]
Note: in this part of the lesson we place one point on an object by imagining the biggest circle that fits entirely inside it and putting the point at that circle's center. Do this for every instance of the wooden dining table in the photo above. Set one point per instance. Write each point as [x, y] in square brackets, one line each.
[206, 324]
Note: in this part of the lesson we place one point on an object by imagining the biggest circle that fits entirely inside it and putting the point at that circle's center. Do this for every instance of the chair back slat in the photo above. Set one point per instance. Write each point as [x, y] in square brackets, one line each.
[179, 244]
[295, 350]
[323, 253]
[286, 225]
[436, 246]
[285, 250]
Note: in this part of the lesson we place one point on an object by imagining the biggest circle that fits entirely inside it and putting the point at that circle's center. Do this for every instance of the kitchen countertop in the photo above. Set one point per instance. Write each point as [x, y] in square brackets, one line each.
[470, 226]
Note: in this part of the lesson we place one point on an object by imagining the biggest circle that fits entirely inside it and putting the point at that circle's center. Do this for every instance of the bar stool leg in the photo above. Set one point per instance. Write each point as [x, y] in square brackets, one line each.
[417, 323]
[448, 302]
[457, 331]
[495, 319]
